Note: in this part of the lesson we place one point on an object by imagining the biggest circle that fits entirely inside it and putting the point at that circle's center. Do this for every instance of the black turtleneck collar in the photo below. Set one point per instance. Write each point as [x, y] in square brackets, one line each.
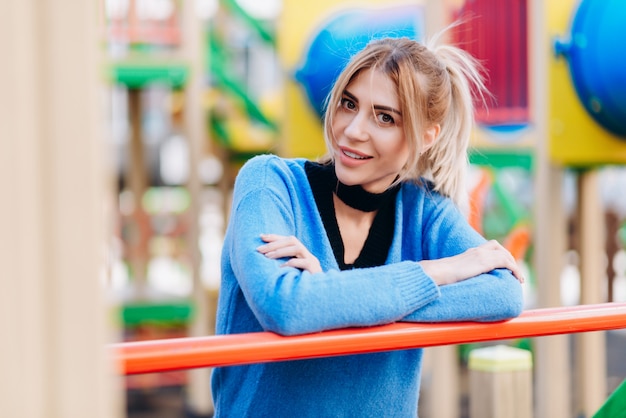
[324, 183]
[358, 198]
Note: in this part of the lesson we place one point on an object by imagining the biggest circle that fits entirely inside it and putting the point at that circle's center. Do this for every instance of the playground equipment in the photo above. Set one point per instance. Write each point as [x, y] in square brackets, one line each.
[509, 137]
[508, 218]
[141, 45]
[503, 136]
[237, 349]
[503, 140]
[243, 100]
[596, 62]
[229, 350]
[585, 85]
[615, 405]
[169, 55]
[588, 83]
[583, 127]
[128, 23]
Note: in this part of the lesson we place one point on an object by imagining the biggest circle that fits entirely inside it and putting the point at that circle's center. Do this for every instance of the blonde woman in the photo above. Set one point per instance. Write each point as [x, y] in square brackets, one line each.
[370, 235]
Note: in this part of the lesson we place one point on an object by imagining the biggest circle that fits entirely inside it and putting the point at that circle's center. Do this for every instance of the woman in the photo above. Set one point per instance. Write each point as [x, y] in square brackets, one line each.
[371, 235]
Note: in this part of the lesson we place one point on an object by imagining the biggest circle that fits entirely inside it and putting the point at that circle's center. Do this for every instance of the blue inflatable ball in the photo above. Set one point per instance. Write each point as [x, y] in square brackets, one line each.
[343, 36]
[597, 61]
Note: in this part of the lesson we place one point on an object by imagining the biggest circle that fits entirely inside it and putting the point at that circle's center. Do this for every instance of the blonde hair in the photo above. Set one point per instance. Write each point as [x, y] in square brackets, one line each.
[436, 85]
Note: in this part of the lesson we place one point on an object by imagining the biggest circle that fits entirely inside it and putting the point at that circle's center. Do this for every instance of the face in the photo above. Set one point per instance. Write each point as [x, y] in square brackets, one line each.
[369, 145]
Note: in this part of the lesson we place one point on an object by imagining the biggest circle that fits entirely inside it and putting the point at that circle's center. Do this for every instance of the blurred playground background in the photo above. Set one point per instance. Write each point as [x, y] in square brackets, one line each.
[188, 91]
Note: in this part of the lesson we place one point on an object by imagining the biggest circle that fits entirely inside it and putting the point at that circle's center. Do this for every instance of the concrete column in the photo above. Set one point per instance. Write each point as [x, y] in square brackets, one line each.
[52, 214]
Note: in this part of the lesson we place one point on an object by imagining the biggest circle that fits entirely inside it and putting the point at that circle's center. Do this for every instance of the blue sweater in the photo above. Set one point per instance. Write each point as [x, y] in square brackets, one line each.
[272, 195]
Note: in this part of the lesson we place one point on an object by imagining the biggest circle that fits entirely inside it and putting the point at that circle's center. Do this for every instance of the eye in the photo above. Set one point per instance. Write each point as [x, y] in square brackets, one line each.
[347, 104]
[385, 119]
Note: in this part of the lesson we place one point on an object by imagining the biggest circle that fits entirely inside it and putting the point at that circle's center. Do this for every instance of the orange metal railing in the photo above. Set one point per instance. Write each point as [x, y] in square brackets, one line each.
[228, 350]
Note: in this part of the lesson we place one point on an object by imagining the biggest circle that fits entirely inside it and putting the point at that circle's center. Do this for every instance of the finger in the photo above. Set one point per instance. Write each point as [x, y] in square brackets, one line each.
[517, 272]
[494, 245]
[279, 240]
[274, 242]
[507, 259]
[267, 248]
[506, 254]
[272, 237]
[283, 252]
[514, 266]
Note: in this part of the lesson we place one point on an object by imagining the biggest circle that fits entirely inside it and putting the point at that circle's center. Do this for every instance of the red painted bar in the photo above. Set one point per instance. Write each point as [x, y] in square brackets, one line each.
[228, 350]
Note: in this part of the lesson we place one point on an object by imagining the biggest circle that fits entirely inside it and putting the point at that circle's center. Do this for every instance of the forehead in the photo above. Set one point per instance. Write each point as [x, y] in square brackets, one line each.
[375, 87]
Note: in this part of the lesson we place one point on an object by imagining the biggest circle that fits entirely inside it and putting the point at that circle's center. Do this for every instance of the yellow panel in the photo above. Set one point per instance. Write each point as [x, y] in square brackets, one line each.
[575, 138]
[302, 129]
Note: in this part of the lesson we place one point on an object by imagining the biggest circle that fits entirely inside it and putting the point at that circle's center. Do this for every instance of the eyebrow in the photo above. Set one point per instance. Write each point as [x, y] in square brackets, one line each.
[376, 107]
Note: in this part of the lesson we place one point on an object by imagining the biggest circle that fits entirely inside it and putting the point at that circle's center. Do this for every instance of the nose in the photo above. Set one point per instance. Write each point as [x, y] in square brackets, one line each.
[357, 127]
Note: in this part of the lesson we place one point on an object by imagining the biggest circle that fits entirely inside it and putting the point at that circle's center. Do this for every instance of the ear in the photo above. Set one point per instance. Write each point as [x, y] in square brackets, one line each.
[430, 137]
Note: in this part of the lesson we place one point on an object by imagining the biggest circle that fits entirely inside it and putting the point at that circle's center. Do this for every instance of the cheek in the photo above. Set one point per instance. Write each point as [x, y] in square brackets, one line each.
[401, 150]
[402, 155]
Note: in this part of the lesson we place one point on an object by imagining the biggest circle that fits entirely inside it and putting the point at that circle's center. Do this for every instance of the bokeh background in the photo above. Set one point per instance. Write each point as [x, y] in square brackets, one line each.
[124, 123]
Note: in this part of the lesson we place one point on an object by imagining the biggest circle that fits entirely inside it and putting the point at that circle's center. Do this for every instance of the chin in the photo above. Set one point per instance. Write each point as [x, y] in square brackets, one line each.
[348, 179]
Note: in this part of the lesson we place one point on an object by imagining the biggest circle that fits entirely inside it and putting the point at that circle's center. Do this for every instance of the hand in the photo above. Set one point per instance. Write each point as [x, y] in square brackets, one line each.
[482, 259]
[280, 246]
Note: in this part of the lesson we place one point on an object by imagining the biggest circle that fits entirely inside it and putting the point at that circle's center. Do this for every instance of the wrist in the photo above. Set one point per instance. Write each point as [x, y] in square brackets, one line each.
[435, 269]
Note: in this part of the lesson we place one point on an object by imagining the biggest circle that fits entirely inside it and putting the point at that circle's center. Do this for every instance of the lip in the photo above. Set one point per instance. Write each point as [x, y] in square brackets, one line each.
[344, 150]
[349, 161]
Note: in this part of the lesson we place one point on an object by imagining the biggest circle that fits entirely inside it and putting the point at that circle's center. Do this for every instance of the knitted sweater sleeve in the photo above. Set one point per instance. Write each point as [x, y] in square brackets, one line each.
[492, 296]
[289, 301]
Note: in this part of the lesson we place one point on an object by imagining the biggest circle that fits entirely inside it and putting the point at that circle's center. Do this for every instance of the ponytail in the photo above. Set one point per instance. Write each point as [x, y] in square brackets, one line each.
[447, 160]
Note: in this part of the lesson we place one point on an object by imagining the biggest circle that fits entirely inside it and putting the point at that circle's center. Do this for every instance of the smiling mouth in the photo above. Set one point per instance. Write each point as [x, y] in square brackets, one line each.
[355, 156]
